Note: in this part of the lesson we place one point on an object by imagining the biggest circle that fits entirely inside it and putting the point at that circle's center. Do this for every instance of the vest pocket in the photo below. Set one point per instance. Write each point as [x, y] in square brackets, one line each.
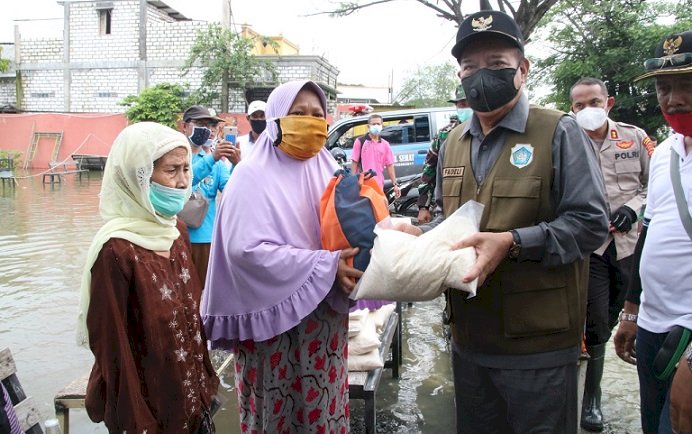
[535, 302]
[451, 186]
[515, 203]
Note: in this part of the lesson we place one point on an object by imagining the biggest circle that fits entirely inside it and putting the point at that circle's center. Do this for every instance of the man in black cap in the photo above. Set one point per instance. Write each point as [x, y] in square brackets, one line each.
[515, 345]
[426, 189]
[660, 321]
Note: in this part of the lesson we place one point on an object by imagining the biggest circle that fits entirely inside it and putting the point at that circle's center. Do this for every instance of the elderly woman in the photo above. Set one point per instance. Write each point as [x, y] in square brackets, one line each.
[140, 294]
[273, 295]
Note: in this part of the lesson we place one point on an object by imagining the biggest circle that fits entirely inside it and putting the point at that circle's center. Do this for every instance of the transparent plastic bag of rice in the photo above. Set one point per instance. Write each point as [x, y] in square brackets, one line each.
[404, 267]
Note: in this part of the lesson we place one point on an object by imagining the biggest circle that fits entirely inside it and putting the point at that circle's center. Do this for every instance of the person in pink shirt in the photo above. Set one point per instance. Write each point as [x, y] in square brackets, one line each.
[375, 154]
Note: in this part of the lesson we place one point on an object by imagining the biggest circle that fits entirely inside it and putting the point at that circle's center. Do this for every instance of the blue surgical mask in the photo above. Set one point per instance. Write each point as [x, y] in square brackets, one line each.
[375, 129]
[464, 114]
[167, 201]
[199, 135]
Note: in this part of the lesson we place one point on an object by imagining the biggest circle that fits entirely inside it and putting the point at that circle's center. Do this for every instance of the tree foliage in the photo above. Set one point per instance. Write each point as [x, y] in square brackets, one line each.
[527, 13]
[429, 86]
[4, 63]
[161, 103]
[609, 40]
[227, 60]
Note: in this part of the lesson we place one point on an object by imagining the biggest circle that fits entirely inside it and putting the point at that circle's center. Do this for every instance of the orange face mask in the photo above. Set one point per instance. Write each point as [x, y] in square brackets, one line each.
[302, 137]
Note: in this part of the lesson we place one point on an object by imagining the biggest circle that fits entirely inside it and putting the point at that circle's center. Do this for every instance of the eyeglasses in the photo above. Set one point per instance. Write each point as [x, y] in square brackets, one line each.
[682, 59]
[205, 124]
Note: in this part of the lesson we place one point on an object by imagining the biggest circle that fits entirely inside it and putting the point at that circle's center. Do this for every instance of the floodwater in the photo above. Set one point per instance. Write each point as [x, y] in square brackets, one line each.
[44, 234]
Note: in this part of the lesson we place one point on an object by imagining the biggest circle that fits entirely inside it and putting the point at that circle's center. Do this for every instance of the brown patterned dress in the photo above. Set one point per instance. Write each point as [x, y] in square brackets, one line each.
[152, 372]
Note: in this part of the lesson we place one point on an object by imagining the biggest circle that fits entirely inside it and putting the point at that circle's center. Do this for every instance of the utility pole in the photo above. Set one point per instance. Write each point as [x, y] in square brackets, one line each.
[226, 14]
[226, 23]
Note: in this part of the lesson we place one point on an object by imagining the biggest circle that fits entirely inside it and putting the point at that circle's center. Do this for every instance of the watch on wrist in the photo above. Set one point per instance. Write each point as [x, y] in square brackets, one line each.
[515, 248]
[624, 316]
[688, 355]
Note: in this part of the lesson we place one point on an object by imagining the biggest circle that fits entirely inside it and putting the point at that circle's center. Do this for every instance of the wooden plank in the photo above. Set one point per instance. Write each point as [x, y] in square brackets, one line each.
[9, 378]
[7, 366]
[76, 389]
[27, 414]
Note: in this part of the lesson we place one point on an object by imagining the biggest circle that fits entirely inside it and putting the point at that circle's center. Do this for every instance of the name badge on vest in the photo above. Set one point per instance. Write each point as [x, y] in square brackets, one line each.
[521, 155]
[453, 172]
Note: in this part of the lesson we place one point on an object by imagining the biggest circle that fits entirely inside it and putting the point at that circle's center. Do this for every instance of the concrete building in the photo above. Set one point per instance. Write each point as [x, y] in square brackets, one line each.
[112, 49]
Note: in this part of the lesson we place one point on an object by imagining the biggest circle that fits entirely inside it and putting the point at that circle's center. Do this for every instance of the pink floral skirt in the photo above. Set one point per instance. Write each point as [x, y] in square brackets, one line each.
[297, 381]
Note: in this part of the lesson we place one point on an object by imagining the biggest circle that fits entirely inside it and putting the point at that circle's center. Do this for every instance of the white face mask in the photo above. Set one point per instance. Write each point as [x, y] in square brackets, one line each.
[592, 118]
[375, 129]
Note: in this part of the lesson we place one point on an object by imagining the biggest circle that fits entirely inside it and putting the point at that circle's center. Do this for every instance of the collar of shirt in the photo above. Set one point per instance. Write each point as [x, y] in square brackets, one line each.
[514, 120]
[200, 154]
[678, 146]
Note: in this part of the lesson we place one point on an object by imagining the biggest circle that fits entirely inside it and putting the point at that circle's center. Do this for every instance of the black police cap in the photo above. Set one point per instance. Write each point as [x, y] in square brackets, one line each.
[673, 56]
[485, 23]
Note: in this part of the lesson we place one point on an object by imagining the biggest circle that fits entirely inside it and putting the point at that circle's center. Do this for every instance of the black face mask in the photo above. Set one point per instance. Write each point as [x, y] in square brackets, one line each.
[199, 135]
[258, 125]
[490, 89]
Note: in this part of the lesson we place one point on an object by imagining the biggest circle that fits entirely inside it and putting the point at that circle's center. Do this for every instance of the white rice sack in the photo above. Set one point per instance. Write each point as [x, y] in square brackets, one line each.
[404, 267]
[365, 362]
[381, 316]
[365, 341]
[355, 322]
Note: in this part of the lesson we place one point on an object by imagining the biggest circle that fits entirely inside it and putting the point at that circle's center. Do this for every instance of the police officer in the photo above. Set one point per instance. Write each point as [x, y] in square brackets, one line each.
[426, 189]
[623, 151]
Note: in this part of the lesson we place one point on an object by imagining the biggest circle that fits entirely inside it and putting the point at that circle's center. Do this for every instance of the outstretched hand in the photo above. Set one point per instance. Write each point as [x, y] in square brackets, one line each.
[345, 274]
[491, 249]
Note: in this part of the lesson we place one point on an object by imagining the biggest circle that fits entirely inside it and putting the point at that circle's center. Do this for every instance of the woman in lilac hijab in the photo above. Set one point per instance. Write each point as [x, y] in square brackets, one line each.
[273, 295]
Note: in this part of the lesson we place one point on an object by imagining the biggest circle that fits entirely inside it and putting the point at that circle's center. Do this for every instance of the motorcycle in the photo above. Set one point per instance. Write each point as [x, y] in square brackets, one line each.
[407, 204]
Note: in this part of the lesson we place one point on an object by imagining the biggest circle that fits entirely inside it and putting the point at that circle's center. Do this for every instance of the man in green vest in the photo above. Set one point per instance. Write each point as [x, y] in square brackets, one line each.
[515, 345]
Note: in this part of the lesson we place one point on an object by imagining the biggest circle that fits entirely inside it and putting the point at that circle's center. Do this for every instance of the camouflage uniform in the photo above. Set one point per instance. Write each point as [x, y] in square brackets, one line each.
[426, 189]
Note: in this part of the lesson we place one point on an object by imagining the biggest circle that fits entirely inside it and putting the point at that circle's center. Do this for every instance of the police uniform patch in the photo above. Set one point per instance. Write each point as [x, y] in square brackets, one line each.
[614, 134]
[521, 155]
[649, 145]
[453, 171]
[625, 144]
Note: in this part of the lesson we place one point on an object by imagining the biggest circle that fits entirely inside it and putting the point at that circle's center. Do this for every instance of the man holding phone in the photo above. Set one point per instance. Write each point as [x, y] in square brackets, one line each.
[209, 174]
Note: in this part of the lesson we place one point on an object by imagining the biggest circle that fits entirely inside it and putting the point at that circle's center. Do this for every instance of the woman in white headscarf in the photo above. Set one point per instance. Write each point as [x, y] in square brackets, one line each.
[140, 294]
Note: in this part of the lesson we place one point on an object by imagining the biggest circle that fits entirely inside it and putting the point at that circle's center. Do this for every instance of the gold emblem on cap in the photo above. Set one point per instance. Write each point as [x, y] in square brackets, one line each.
[482, 23]
[670, 46]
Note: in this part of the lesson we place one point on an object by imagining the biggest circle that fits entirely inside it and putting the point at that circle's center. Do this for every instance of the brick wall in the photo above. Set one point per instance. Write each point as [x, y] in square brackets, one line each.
[100, 90]
[8, 94]
[171, 41]
[88, 44]
[105, 68]
[43, 90]
[41, 50]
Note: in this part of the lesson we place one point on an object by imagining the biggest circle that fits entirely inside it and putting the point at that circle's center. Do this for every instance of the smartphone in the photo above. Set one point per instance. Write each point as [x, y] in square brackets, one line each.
[230, 133]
